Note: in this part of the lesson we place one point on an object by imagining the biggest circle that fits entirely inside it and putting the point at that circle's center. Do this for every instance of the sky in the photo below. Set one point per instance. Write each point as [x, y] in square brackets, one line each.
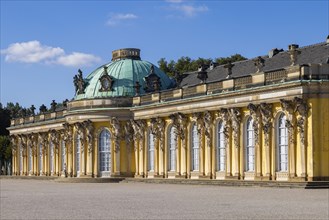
[44, 43]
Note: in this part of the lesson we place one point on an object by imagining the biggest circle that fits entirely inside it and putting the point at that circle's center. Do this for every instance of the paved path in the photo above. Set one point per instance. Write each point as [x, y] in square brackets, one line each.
[46, 199]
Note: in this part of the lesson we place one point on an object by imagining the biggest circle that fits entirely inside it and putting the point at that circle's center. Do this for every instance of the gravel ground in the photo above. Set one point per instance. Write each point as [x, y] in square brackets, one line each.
[45, 199]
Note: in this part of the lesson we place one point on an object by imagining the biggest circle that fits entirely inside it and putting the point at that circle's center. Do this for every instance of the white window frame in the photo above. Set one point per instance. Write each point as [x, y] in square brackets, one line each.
[104, 153]
[195, 148]
[172, 145]
[282, 145]
[249, 146]
[221, 148]
[150, 153]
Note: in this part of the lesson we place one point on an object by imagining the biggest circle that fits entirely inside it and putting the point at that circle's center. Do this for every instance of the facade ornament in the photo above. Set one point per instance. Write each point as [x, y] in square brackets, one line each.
[115, 125]
[254, 112]
[106, 81]
[13, 141]
[53, 105]
[80, 131]
[229, 67]
[152, 80]
[43, 109]
[287, 106]
[79, 83]
[223, 114]
[89, 134]
[43, 140]
[207, 127]
[259, 63]
[293, 53]
[202, 73]
[129, 134]
[32, 110]
[23, 141]
[301, 108]
[137, 88]
[139, 128]
[68, 136]
[236, 120]
[266, 112]
[54, 137]
[179, 121]
[157, 129]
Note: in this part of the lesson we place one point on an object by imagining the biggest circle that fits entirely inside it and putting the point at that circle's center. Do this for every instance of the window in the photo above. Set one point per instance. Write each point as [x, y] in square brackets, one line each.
[63, 150]
[195, 149]
[250, 146]
[151, 152]
[221, 151]
[282, 144]
[77, 154]
[172, 149]
[51, 157]
[104, 148]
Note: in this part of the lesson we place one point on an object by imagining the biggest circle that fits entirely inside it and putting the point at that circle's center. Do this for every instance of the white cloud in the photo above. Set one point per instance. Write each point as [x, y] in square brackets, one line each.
[35, 52]
[77, 59]
[189, 10]
[30, 52]
[116, 19]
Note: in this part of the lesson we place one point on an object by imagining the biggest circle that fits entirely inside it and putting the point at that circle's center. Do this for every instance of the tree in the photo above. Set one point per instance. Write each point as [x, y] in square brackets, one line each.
[186, 64]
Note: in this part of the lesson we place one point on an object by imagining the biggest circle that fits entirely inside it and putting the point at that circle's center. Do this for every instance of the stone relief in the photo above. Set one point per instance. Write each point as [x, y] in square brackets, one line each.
[139, 128]
[207, 127]
[254, 112]
[302, 109]
[179, 122]
[115, 125]
[266, 113]
[235, 120]
[157, 129]
[129, 133]
[67, 136]
[89, 134]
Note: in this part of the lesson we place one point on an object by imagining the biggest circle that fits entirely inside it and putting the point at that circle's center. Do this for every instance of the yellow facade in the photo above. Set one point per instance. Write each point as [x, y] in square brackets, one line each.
[255, 128]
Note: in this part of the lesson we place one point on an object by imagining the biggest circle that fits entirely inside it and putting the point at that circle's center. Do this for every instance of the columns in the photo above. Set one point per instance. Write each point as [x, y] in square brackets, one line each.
[139, 134]
[287, 106]
[235, 115]
[179, 121]
[68, 138]
[89, 136]
[254, 113]
[158, 131]
[302, 110]
[115, 124]
[129, 137]
[208, 124]
[266, 112]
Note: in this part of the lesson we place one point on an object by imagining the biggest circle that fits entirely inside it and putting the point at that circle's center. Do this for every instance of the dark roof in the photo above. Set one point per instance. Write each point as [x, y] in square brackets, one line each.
[317, 53]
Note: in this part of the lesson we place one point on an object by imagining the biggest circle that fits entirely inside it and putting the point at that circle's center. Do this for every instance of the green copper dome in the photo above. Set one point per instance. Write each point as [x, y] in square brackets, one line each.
[123, 72]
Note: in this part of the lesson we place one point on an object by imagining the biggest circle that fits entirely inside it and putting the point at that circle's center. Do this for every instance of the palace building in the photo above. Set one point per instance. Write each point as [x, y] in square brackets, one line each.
[260, 119]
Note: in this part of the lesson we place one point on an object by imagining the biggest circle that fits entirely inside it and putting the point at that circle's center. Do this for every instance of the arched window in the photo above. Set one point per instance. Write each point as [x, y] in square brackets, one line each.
[150, 152]
[77, 154]
[63, 150]
[40, 158]
[195, 149]
[250, 146]
[104, 149]
[221, 151]
[282, 144]
[172, 149]
[51, 157]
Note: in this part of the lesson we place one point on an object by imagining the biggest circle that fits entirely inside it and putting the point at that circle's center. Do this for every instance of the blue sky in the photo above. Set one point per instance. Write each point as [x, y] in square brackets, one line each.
[44, 43]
